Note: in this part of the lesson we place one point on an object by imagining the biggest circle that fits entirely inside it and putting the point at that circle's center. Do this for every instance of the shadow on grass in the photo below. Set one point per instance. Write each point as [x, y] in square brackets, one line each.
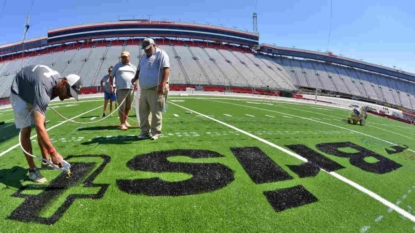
[120, 140]
[12, 177]
[113, 116]
[8, 131]
[108, 127]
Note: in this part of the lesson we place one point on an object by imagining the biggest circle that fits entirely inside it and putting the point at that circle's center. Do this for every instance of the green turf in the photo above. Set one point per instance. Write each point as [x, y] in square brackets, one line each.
[241, 206]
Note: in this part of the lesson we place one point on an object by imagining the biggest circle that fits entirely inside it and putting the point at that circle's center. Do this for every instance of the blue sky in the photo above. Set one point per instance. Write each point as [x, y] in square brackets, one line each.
[377, 31]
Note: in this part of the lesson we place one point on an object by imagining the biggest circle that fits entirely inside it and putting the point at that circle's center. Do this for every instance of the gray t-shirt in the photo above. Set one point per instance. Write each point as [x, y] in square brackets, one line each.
[151, 68]
[123, 75]
[35, 85]
[106, 83]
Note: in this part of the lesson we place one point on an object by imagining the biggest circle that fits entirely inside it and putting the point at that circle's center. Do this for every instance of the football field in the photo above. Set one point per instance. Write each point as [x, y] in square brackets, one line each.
[221, 165]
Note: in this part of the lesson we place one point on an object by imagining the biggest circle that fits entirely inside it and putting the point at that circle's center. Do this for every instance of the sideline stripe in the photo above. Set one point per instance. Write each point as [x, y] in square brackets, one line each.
[310, 119]
[63, 122]
[334, 174]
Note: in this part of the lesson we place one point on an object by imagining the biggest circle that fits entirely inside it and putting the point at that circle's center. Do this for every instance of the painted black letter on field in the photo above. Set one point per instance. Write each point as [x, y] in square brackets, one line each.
[396, 149]
[207, 177]
[259, 166]
[30, 209]
[314, 158]
[288, 198]
[383, 165]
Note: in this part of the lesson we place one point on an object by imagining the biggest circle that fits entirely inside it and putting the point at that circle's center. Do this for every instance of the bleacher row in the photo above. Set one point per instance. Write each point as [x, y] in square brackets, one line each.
[208, 64]
[192, 63]
[347, 80]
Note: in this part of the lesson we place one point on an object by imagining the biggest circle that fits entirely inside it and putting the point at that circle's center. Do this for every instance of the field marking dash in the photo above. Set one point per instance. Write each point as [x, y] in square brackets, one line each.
[404, 196]
[379, 218]
[92, 118]
[286, 116]
[270, 116]
[52, 127]
[334, 174]
[310, 119]
[175, 115]
[249, 115]
[398, 202]
[364, 229]
[7, 126]
[227, 115]
[390, 210]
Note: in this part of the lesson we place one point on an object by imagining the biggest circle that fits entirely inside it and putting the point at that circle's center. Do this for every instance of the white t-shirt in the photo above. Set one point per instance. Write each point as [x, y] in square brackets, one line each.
[151, 68]
[123, 75]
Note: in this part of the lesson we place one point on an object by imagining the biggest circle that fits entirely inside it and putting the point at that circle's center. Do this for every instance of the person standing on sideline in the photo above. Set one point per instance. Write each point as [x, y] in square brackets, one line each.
[32, 89]
[153, 75]
[108, 95]
[123, 72]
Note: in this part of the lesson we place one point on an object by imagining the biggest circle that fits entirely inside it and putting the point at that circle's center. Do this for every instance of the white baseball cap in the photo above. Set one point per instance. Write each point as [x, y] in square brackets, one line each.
[75, 84]
[147, 42]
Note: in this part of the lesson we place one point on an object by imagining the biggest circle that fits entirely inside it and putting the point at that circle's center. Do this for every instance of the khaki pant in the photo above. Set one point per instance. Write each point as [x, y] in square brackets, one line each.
[121, 95]
[151, 102]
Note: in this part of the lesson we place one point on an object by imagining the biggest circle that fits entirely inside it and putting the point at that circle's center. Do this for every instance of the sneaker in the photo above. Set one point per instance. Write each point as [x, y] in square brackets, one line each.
[36, 176]
[103, 114]
[123, 127]
[143, 136]
[127, 124]
[46, 166]
[155, 137]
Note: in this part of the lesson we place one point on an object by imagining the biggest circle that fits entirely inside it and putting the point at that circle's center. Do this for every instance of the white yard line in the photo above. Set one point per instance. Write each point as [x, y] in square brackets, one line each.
[12, 119]
[309, 119]
[11, 148]
[401, 129]
[334, 174]
[390, 131]
[380, 217]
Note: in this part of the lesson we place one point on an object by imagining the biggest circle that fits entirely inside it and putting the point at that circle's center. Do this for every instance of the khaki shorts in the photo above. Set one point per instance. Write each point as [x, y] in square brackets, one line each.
[128, 95]
[24, 115]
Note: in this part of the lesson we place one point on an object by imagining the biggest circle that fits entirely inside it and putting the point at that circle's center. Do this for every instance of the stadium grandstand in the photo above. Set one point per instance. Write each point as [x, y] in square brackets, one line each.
[208, 58]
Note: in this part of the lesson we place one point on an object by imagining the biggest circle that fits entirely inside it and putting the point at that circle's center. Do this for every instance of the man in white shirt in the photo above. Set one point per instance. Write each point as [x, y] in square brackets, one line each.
[153, 75]
[123, 72]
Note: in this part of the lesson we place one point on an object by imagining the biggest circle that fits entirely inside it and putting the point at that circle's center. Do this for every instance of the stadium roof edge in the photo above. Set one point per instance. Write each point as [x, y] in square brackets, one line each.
[120, 22]
[26, 41]
[330, 55]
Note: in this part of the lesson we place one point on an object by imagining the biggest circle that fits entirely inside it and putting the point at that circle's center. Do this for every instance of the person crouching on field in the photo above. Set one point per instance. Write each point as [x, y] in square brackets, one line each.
[32, 89]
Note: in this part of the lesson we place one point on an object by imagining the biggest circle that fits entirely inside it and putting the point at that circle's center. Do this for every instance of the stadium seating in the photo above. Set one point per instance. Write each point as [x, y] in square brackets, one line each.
[216, 67]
